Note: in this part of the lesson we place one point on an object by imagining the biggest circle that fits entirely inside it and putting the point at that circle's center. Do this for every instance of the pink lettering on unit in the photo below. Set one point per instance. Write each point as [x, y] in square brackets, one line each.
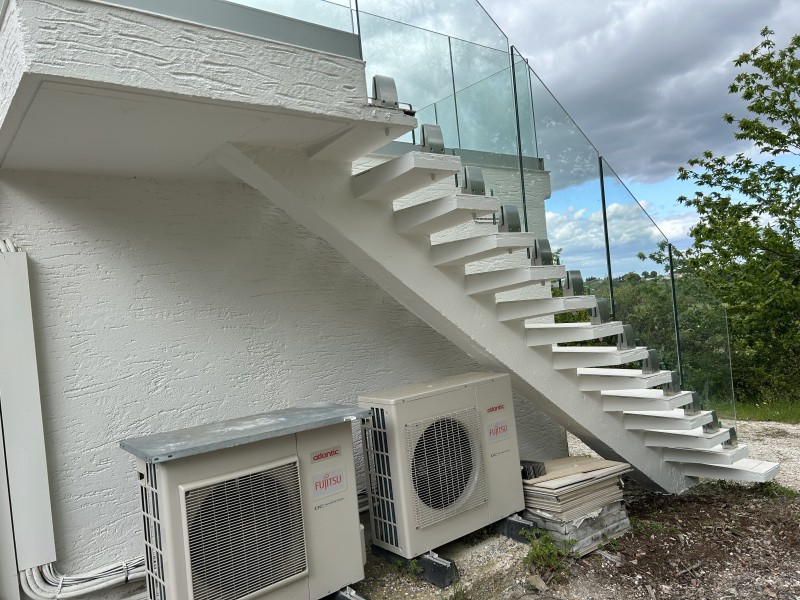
[330, 453]
[327, 481]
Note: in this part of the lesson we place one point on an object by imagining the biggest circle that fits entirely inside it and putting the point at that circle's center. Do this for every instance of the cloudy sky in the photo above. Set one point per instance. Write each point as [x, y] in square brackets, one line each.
[645, 80]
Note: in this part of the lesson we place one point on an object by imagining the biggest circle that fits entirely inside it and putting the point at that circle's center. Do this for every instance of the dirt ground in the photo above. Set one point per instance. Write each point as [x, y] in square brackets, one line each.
[717, 542]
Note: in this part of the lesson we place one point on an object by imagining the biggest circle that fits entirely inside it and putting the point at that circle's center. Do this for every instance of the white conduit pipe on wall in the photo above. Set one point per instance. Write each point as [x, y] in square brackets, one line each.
[45, 583]
[8, 245]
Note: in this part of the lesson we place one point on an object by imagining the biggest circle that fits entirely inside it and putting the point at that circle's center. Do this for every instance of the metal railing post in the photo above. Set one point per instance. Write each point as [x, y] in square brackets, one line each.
[608, 244]
[675, 311]
[519, 140]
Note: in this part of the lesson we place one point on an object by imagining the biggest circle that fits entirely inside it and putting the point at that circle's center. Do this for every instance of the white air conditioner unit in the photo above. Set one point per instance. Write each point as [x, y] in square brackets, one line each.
[442, 461]
[258, 507]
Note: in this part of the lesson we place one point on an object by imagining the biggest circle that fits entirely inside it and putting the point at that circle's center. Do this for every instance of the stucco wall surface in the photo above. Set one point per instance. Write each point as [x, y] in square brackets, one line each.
[160, 305]
[12, 56]
[103, 43]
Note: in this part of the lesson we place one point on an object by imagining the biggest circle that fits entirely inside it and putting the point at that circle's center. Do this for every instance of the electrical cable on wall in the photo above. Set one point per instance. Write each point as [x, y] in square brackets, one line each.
[45, 583]
[8, 245]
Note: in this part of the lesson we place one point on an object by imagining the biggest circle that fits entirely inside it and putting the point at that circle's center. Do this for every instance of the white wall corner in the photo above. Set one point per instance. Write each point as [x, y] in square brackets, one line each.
[12, 57]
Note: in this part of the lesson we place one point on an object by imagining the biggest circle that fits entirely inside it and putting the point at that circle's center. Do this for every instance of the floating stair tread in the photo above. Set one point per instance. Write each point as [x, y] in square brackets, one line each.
[672, 420]
[598, 379]
[574, 357]
[645, 394]
[461, 252]
[443, 213]
[544, 334]
[694, 438]
[494, 282]
[637, 373]
[746, 469]
[718, 455]
[515, 310]
[361, 138]
[403, 175]
[643, 400]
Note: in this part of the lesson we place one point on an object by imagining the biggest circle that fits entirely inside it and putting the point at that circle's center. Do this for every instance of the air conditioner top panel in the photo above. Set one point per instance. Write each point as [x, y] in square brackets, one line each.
[417, 391]
[172, 445]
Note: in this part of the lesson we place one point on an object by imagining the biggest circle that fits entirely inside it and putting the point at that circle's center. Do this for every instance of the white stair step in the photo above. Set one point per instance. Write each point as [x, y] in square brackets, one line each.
[674, 420]
[573, 357]
[461, 252]
[694, 438]
[646, 400]
[746, 469]
[516, 310]
[545, 334]
[718, 455]
[360, 139]
[403, 175]
[494, 282]
[444, 213]
[595, 380]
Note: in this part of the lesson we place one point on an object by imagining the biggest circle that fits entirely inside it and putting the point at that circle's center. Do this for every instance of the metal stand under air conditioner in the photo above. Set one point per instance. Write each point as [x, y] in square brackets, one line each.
[513, 527]
[347, 593]
[430, 567]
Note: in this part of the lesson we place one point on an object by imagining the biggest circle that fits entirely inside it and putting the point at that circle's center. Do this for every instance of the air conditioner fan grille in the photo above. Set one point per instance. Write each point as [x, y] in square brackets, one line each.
[245, 534]
[446, 458]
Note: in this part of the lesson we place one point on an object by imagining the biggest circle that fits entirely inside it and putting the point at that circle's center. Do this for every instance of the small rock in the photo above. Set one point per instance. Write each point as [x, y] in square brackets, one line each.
[535, 580]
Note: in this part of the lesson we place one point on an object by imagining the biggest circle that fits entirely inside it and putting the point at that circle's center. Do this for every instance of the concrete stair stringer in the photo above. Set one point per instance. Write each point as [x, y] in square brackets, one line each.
[365, 235]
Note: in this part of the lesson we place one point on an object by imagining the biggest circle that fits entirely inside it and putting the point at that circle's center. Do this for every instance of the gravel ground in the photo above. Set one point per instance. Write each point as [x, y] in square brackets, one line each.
[746, 546]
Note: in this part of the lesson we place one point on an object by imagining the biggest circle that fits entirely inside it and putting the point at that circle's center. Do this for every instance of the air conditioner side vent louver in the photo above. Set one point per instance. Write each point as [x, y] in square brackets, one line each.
[154, 549]
[245, 533]
[381, 492]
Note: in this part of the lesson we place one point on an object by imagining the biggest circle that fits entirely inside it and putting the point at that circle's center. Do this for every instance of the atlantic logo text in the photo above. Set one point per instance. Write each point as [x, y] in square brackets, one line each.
[329, 453]
[495, 408]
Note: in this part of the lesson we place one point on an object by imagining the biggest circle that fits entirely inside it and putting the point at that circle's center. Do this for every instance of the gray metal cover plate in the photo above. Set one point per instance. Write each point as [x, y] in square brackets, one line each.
[172, 445]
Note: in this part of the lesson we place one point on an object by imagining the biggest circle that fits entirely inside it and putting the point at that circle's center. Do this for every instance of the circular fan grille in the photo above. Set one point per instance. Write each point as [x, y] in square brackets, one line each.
[442, 465]
[245, 534]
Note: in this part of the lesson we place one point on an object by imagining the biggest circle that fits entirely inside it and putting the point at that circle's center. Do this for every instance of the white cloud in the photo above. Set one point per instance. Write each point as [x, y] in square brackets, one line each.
[646, 80]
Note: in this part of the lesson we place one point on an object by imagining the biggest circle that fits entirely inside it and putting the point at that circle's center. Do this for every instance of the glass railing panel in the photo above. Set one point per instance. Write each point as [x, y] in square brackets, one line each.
[329, 13]
[524, 105]
[418, 60]
[641, 282]
[535, 180]
[574, 210]
[463, 19]
[443, 114]
[705, 346]
[486, 120]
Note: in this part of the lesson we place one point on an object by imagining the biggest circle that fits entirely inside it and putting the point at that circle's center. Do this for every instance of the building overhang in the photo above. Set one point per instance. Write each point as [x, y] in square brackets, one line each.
[147, 96]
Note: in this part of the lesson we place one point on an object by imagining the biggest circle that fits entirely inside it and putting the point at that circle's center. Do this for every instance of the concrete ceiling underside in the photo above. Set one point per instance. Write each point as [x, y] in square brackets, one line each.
[80, 128]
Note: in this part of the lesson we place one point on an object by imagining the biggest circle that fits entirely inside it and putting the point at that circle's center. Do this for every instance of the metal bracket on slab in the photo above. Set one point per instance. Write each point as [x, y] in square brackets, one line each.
[347, 593]
[429, 567]
[513, 526]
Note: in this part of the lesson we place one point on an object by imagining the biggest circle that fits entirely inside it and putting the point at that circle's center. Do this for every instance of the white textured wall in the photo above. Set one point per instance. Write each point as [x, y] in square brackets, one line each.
[160, 305]
[102, 43]
[12, 56]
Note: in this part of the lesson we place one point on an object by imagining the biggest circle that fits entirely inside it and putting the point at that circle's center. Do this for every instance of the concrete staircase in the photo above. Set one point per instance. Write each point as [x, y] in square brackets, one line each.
[620, 412]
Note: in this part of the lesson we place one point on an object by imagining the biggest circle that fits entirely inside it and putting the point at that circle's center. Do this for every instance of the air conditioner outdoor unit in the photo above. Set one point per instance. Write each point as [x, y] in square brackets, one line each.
[257, 507]
[442, 461]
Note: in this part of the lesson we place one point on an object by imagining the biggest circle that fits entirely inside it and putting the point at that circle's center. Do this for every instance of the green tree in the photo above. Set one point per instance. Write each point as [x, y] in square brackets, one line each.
[747, 243]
